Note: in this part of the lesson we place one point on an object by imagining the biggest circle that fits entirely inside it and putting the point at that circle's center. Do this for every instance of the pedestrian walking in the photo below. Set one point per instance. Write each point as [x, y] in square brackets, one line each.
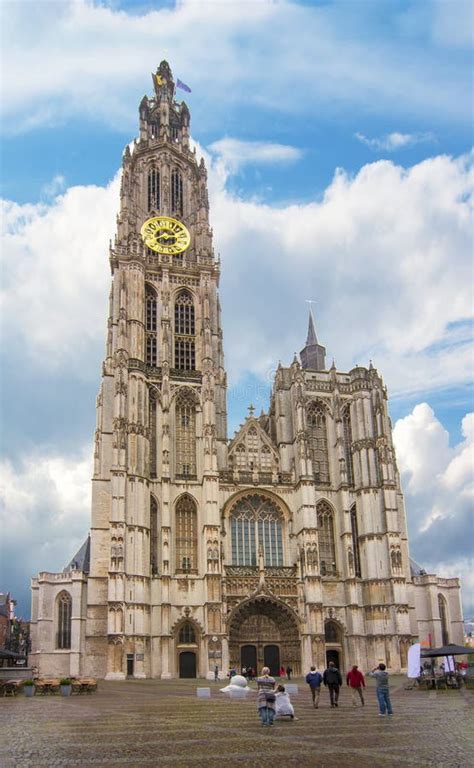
[281, 672]
[216, 673]
[289, 672]
[355, 681]
[314, 680]
[332, 680]
[266, 697]
[382, 690]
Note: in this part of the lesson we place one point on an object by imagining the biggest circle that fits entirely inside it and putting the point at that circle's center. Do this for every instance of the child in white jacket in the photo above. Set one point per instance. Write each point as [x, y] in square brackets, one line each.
[283, 705]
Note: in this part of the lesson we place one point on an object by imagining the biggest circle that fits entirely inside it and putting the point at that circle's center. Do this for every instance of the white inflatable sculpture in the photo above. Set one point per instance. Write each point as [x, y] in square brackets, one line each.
[237, 686]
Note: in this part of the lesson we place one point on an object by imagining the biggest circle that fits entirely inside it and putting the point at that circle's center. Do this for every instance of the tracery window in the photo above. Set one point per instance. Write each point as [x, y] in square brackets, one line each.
[318, 442]
[256, 522]
[184, 329]
[185, 431]
[443, 615]
[176, 192]
[153, 189]
[153, 536]
[151, 326]
[187, 635]
[64, 608]
[327, 544]
[186, 535]
[347, 429]
[355, 541]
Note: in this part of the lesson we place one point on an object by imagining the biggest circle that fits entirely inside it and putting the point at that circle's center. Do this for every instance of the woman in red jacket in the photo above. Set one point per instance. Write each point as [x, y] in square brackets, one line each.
[355, 681]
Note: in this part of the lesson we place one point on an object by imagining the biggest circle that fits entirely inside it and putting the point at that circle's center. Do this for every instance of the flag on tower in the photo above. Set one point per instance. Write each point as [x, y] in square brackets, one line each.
[159, 80]
[180, 84]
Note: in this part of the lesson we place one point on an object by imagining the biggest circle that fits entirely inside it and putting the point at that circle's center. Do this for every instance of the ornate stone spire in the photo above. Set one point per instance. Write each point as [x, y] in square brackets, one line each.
[313, 355]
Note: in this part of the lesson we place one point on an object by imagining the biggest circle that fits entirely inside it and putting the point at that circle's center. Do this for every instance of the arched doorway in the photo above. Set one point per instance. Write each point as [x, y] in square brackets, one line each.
[271, 659]
[333, 637]
[187, 664]
[187, 647]
[266, 630]
[248, 656]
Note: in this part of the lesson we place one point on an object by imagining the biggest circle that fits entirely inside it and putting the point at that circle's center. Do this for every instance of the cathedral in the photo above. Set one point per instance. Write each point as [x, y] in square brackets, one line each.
[286, 545]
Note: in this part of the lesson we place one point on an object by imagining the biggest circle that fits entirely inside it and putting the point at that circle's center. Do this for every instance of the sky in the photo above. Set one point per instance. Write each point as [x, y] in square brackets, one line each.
[337, 137]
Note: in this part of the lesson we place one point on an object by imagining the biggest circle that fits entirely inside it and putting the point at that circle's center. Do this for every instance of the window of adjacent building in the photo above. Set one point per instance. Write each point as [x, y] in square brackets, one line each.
[64, 613]
[327, 544]
[185, 431]
[153, 190]
[187, 635]
[186, 535]
[256, 522]
[184, 329]
[318, 442]
[151, 326]
[176, 192]
[347, 429]
[355, 541]
[153, 536]
[443, 615]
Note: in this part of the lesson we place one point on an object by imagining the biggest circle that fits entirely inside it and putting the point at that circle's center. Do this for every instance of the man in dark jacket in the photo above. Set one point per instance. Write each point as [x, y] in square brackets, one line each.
[332, 680]
[314, 680]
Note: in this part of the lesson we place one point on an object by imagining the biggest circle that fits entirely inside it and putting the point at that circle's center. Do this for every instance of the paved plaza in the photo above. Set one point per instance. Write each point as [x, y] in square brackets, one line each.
[163, 723]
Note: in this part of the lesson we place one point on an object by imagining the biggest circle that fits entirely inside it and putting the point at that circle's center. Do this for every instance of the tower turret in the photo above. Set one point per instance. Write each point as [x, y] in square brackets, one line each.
[313, 355]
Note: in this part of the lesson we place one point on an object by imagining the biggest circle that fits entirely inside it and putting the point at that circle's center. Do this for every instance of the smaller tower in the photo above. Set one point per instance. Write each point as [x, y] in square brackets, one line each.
[313, 355]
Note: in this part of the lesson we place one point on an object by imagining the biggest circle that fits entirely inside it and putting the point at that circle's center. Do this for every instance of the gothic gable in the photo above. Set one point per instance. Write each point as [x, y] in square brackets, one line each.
[251, 450]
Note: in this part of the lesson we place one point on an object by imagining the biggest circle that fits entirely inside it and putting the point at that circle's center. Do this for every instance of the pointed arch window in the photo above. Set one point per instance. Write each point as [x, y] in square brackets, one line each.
[151, 325]
[153, 190]
[185, 431]
[184, 329]
[153, 536]
[256, 522]
[176, 192]
[186, 535]
[187, 634]
[355, 541]
[64, 613]
[347, 430]
[443, 615]
[327, 543]
[318, 442]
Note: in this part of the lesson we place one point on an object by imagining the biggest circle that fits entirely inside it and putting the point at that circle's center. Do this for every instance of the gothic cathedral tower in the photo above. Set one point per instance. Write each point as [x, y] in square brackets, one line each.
[285, 545]
[161, 413]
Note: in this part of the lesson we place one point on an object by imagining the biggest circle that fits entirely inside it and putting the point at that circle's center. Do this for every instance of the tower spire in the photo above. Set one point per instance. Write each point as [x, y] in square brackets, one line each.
[313, 355]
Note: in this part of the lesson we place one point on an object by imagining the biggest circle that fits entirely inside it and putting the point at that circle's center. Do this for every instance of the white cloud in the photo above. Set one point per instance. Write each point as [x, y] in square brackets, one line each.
[44, 515]
[235, 153]
[386, 253]
[439, 493]
[82, 59]
[55, 274]
[394, 141]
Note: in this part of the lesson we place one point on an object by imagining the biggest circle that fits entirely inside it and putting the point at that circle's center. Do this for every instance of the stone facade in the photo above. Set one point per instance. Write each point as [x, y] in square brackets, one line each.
[286, 545]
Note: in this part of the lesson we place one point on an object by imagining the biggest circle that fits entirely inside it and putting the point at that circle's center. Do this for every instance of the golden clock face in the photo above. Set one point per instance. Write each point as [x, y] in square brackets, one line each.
[165, 235]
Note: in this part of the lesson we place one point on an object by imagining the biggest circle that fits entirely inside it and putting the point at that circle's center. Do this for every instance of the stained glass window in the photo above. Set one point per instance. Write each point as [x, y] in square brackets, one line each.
[186, 535]
[153, 190]
[318, 442]
[64, 602]
[327, 544]
[256, 522]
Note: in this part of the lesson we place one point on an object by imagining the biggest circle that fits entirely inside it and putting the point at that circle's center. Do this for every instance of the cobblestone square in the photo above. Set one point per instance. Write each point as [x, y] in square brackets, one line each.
[163, 723]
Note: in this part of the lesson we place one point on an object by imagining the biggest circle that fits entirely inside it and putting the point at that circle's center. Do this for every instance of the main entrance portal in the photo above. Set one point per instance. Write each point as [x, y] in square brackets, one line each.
[263, 632]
